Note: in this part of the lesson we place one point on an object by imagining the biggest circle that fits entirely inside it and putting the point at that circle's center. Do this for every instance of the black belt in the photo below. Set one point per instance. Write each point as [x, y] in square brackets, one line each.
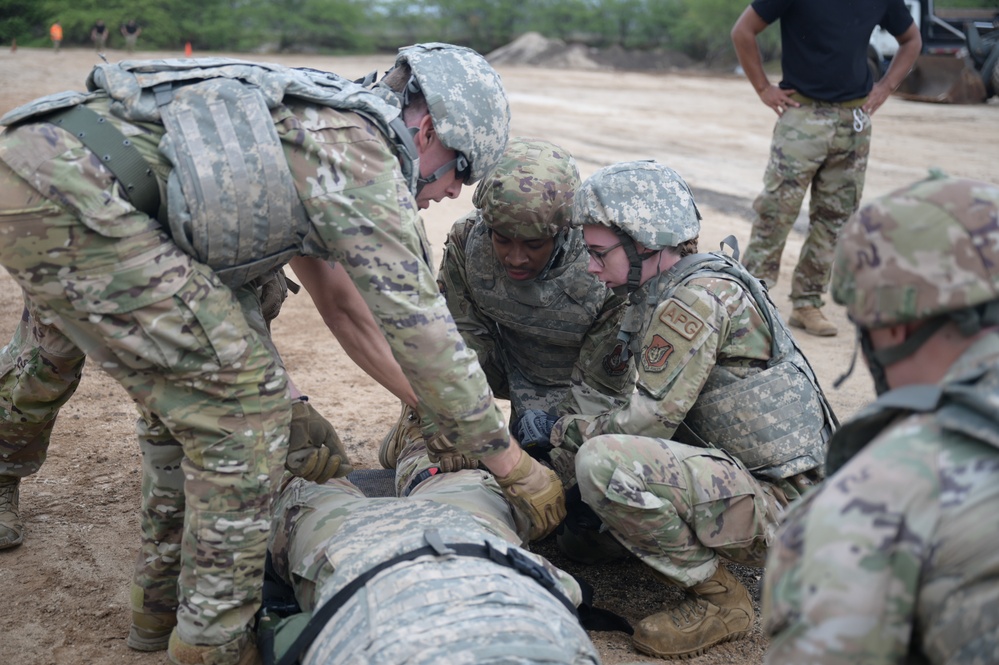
[117, 153]
[512, 558]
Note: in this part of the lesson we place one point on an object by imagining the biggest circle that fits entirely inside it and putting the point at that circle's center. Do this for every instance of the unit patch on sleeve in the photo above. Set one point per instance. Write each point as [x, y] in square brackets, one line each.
[616, 362]
[686, 323]
[656, 354]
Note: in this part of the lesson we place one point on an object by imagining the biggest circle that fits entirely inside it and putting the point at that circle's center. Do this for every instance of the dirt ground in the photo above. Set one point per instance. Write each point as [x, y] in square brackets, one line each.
[66, 589]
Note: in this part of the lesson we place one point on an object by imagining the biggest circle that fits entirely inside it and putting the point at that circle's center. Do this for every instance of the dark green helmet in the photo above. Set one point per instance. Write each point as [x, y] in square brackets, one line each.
[528, 195]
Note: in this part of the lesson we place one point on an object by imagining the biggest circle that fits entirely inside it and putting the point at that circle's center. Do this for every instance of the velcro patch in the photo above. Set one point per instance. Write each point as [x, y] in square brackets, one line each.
[686, 323]
[656, 354]
[616, 362]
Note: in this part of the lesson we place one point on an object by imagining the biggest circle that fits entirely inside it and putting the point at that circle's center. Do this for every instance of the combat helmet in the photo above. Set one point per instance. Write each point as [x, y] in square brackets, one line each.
[926, 252]
[466, 101]
[643, 201]
[528, 195]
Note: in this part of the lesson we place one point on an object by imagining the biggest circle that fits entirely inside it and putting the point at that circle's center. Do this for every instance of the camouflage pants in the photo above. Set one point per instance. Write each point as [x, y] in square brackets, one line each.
[474, 490]
[40, 370]
[676, 507]
[816, 146]
[508, 382]
[213, 399]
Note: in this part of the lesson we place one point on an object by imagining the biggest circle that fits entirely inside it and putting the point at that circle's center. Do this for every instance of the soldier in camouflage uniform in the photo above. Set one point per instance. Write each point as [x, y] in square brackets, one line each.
[691, 470]
[327, 169]
[822, 137]
[515, 278]
[450, 584]
[894, 559]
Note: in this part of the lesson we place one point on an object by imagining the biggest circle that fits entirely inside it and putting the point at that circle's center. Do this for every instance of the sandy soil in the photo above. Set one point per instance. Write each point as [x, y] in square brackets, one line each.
[66, 589]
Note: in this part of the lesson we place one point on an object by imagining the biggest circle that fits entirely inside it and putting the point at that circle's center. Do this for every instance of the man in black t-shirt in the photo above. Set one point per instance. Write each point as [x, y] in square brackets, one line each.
[822, 138]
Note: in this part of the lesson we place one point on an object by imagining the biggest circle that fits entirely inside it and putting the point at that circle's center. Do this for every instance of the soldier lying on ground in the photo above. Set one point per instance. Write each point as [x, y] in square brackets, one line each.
[727, 425]
[432, 578]
[327, 169]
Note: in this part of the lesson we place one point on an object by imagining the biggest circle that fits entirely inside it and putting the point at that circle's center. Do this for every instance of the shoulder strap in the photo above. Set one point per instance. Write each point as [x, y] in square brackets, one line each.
[117, 153]
[512, 558]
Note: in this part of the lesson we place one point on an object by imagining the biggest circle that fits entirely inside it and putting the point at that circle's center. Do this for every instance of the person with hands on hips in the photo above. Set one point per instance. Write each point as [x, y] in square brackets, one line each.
[821, 142]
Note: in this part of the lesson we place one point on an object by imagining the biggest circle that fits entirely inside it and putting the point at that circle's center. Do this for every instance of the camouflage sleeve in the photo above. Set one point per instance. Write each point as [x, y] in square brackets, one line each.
[453, 282]
[677, 352]
[859, 572]
[603, 377]
[364, 217]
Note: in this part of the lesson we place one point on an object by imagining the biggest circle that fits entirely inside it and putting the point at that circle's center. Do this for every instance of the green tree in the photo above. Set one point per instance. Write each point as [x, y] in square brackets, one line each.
[22, 21]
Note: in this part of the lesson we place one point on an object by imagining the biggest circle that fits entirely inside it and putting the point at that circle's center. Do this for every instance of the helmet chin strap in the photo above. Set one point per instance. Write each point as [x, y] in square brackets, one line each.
[634, 260]
[880, 359]
[455, 164]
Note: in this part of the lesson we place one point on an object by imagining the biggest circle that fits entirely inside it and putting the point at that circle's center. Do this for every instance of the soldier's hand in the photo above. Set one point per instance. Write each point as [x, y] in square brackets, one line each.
[534, 428]
[315, 451]
[535, 491]
[442, 452]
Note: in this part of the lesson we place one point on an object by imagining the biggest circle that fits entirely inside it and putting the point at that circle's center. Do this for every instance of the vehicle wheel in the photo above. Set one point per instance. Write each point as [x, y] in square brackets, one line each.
[991, 79]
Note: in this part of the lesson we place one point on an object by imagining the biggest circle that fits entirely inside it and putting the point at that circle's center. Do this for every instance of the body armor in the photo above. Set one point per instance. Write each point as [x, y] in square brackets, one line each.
[542, 322]
[231, 202]
[775, 421]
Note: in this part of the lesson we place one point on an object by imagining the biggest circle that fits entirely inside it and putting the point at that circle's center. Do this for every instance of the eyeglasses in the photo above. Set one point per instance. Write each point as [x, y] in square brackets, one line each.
[598, 256]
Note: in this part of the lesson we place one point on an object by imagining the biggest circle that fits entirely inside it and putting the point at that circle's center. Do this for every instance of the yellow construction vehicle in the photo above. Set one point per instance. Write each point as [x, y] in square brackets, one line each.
[958, 63]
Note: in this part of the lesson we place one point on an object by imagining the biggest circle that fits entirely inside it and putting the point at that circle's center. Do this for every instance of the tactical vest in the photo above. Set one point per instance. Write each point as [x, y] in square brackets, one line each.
[231, 201]
[542, 322]
[968, 406]
[371, 541]
[777, 421]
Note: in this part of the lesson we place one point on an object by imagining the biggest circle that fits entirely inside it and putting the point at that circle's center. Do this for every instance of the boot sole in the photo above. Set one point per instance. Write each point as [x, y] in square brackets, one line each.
[648, 650]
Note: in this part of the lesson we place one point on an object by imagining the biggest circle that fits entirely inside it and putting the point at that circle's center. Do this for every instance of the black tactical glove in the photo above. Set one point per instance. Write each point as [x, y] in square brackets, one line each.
[315, 451]
[534, 428]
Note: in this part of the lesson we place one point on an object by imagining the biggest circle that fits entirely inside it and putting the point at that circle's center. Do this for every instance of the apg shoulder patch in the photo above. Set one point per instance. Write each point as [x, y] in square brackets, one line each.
[686, 323]
[656, 355]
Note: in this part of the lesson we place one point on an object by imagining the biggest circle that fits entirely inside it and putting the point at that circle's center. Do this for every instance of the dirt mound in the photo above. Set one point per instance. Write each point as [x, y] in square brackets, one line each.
[536, 50]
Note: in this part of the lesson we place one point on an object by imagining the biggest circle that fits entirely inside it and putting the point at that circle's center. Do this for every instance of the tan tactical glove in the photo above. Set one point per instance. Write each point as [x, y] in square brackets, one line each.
[315, 451]
[536, 492]
[273, 290]
[442, 452]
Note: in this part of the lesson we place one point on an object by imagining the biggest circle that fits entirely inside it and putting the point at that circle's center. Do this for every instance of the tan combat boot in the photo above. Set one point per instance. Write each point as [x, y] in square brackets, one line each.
[150, 632]
[397, 437]
[715, 611]
[11, 526]
[812, 321]
[241, 651]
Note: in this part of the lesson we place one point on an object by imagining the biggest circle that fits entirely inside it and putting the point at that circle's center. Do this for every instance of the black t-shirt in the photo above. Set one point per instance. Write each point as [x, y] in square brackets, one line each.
[824, 42]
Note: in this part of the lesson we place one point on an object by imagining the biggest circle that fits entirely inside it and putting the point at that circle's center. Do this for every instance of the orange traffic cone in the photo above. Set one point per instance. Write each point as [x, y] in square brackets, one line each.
[188, 50]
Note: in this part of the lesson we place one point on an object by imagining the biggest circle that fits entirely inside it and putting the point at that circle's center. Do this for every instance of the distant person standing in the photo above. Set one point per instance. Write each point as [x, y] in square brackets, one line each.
[131, 31]
[55, 32]
[823, 134]
[99, 35]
